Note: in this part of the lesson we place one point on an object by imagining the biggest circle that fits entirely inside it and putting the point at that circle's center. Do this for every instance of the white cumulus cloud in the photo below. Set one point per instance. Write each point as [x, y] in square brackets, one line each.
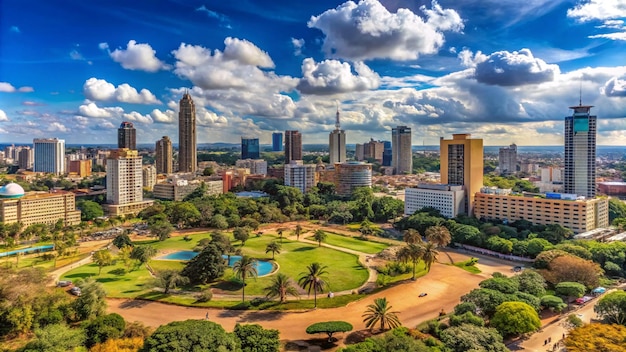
[101, 90]
[598, 10]
[57, 127]
[135, 116]
[615, 87]
[90, 109]
[7, 87]
[333, 76]
[298, 44]
[167, 116]
[137, 57]
[367, 30]
[3, 116]
[516, 68]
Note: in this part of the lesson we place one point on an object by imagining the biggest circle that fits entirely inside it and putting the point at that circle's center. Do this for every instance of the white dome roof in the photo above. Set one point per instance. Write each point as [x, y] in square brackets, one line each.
[11, 190]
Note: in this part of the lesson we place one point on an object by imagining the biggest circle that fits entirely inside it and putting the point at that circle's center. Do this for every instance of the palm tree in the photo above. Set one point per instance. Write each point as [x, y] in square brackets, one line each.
[170, 279]
[429, 255]
[319, 236]
[411, 253]
[281, 286]
[273, 247]
[380, 311]
[245, 268]
[280, 234]
[412, 236]
[313, 279]
[440, 236]
[298, 231]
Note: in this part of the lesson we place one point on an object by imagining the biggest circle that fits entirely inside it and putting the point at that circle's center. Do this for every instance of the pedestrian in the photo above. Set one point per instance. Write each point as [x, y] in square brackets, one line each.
[549, 339]
[545, 342]
[563, 335]
[207, 316]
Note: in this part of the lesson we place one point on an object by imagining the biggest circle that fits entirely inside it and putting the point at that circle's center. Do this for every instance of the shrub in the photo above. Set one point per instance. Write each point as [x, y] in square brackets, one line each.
[205, 296]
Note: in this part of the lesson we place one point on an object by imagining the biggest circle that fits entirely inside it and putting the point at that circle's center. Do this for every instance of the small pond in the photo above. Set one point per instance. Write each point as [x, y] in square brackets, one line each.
[28, 250]
[263, 267]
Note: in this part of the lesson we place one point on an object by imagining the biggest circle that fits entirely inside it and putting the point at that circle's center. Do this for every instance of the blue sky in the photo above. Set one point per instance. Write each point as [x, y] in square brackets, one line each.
[504, 70]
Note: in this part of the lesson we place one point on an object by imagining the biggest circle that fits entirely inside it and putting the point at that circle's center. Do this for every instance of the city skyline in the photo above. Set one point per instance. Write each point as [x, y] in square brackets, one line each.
[504, 71]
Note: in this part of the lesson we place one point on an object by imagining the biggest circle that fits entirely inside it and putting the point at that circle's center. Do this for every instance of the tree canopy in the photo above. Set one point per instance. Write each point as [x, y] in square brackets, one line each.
[329, 328]
[612, 307]
[515, 318]
[191, 335]
[597, 338]
[207, 266]
[254, 338]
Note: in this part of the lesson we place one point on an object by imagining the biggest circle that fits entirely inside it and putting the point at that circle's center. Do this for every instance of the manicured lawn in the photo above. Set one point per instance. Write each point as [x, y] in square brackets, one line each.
[117, 281]
[354, 243]
[355, 226]
[469, 268]
[161, 265]
[174, 243]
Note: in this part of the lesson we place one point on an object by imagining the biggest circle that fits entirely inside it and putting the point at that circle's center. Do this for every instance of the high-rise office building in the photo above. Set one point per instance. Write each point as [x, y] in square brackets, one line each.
[187, 150]
[299, 175]
[125, 183]
[461, 160]
[163, 159]
[293, 146]
[401, 152]
[580, 152]
[387, 153]
[277, 142]
[337, 143]
[49, 155]
[250, 148]
[127, 136]
[507, 160]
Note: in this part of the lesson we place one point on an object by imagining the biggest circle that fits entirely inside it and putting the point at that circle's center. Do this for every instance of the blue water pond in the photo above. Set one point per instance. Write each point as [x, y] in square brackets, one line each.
[28, 250]
[263, 267]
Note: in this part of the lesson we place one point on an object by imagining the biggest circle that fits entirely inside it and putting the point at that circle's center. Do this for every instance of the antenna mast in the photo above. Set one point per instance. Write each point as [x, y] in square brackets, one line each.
[337, 125]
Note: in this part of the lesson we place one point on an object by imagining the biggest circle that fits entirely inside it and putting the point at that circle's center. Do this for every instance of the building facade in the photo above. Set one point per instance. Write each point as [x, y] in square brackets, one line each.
[163, 158]
[49, 155]
[125, 183]
[401, 152]
[350, 175]
[37, 207]
[148, 176]
[250, 148]
[81, 168]
[580, 152]
[387, 153]
[26, 158]
[461, 160]
[187, 148]
[507, 160]
[448, 199]
[293, 146]
[277, 142]
[337, 143]
[127, 136]
[256, 167]
[299, 175]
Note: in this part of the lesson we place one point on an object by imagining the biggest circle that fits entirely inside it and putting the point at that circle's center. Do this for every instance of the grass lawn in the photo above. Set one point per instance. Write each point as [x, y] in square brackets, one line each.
[174, 243]
[469, 268]
[355, 226]
[354, 243]
[117, 280]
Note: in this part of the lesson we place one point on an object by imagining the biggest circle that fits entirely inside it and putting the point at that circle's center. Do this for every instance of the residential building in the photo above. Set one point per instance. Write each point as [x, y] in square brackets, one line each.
[350, 175]
[256, 167]
[250, 148]
[234, 177]
[461, 160]
[448, 199]
[359, 152]
[187, 149]
[124, 183]
[277, 142]
[507, 160]
[373, 150]
[127, 136]
[163, 158]
[299, 175]
[401, 152]
[49, 155]
[37, 207]
[613, 189]
[580, 152]
[293, 146]
[337, 143]
[148, 176]
[81, 168]
[174, 189]
[26, 158]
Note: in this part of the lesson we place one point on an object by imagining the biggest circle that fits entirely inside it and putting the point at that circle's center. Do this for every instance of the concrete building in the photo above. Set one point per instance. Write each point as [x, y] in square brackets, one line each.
[37, 207]
[127, 136]
[187, 149]
[234, 177]
[250, 148]
[579, 215]
[299, 175]
[256, 167]
[148, 176]
[163, 158]
[81, 168]
[613, 189]
[26, 158]
[350, 175]
[277, 142]
[387, 153]
[551, 179]
[507, 160]
[337, 143]
[461, 160]
[49, 155]
[580, 152]
[293, 146]
[401, 150]
[174, 189]
[448, 199]
[124, 183]
[374, 150]
[359, 152]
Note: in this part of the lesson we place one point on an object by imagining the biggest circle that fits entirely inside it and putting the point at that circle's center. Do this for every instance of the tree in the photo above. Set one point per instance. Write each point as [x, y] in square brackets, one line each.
[531, 282]
[161, 229]
[397, 340]
[314, 280]
[571, 268]
[438, 235]
[89, 210]
[128, 344]
[466, 318]
[556, 233]
[612, 307]
[486, 300]
[469, 337]
[570, 289]
[380, 312]
[142, 254]
[102, 258]
[429, 256]
[412, 236]
[244, 268]
[273, 248]
[56, 338]
[329, 328]
[168, 279]
[121, 241]
[553, 303]
[281, 286]
[365, 228]
[103, 328]
[280, 234]
[207, 266]
[411, 253]
[183, 214]
[537, 245]
[515, 318]
[502, 284]
[91, 303]
[253, 338]
[597, 338]
[124, 255]
[319, 236]
[298, 231]
[241, 234]
[190, 335]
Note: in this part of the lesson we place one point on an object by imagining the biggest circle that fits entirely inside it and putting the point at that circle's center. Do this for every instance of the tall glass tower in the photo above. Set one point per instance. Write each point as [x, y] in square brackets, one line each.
[277, 142]
[127, 136]
[250, 148]
[401, 152]
[187, 150]
[580, 152]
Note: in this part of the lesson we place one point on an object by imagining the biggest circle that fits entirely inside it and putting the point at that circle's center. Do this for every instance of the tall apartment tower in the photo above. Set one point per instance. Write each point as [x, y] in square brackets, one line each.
[49, 155]
[507, 160]
[127, 136]
[187, 150]
[250, 148]
[163, 158]
[401, 152]
[277, 142]
[461, 160]
[124, 178]
[580, 152]
[337, 143]
[293, 146]
[26, 157]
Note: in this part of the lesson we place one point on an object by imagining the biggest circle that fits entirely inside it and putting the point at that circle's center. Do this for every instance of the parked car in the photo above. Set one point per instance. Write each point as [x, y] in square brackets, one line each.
[64, 283]
[518, 268]
[75, 291]
[423, 294]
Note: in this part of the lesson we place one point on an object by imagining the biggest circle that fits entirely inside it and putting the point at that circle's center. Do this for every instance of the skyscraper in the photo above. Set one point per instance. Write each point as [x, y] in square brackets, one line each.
[337, 143]
[401, 152]
[461, 160]
[580, 152]
[126, 136]
[293, 146]
[163, 158]
[387, 153]
[250, 148]
[49, 155]
[187, 151]
[124, 183]
[277, 142]
[507, 160]
[26, 158]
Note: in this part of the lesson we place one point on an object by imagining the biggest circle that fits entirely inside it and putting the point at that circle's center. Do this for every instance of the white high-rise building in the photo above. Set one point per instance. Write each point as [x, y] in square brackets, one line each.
[124, 177]
[149, 176]
[448, 199]
[402, 154]
[507, 160]
[337, 143]
[49, 155]
[299, 175]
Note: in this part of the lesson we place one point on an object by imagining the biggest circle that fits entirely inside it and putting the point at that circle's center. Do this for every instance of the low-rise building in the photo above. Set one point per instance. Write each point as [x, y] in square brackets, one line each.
[299, 175]
[350, 175]
[37, 207]
[448, 199]
[256, 166]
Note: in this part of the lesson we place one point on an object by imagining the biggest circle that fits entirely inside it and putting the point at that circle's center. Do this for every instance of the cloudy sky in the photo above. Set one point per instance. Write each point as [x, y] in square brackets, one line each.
[504, 70]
